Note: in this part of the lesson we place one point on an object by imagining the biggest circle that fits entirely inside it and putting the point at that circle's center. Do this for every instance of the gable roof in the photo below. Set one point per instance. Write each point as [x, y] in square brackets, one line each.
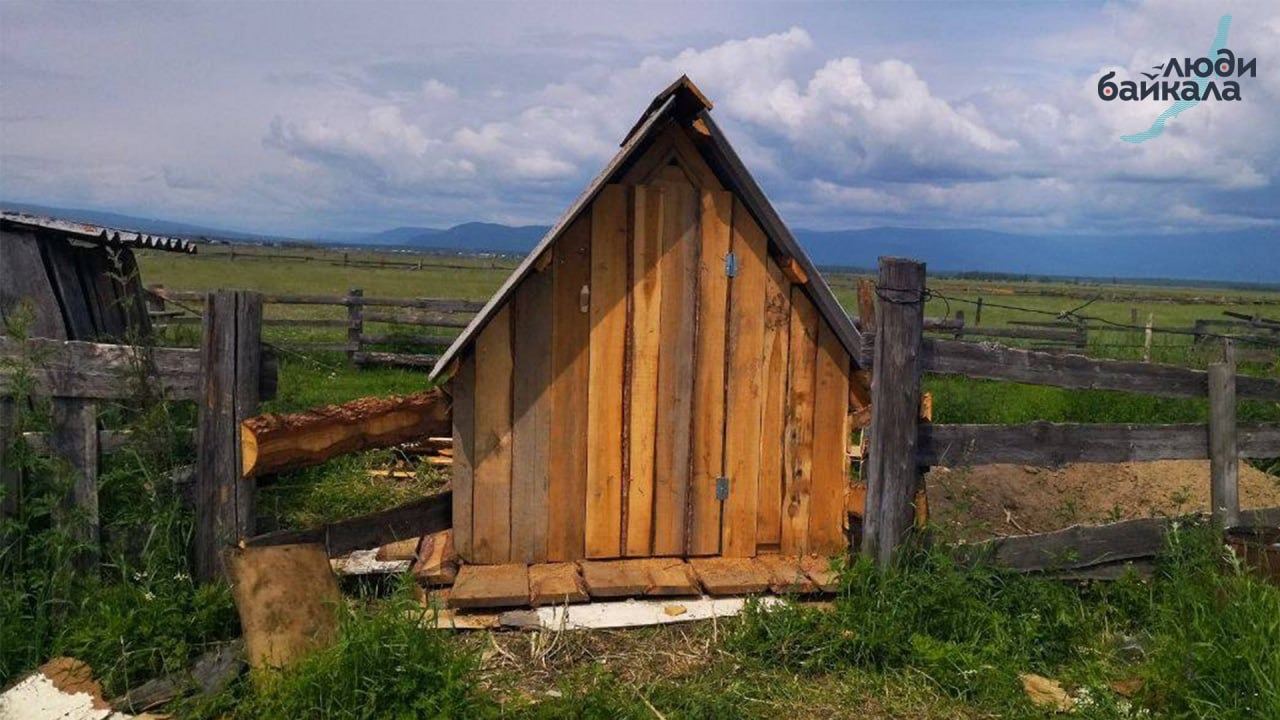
[679, 101]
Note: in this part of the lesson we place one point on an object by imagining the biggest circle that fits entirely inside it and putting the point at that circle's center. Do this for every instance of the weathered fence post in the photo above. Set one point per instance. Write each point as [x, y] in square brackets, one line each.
[75, 440]
[1146, 339]
[895, 408]
[960, 325]
[231, 369]
[977, 314]
[1224, 462]
[355, 322]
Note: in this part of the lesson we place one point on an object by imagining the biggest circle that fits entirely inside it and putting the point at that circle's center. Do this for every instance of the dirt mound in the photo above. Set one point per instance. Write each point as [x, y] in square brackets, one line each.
[978, 503]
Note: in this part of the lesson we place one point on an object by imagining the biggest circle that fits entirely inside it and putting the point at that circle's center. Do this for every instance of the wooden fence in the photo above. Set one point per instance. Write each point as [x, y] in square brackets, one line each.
[900, 446]
[413, 331]
[226, 377]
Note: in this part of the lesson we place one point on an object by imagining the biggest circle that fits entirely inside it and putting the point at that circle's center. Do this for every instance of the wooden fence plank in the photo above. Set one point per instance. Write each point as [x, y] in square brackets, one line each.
[567, 489]
[646, 307]
[224, 506]
[1224, 460]
[709, 369]
[531, 421]
[891, 471]
[745, 400]
[491, 484]
[830, 441]
[10, 473]
[798, 443]
[463, 388]
[995, 362]
[679, 269]
[105, 372]
[777, 326]
[75, 441]
[1053, 444]
[608, 345]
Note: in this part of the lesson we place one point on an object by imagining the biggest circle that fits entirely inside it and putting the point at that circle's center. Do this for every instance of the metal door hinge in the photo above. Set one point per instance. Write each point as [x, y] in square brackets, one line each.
[722, 488]
[731, 264]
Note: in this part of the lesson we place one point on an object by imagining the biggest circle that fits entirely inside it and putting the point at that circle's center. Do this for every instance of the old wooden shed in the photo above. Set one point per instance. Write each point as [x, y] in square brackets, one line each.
[666, 374]
[82, 280]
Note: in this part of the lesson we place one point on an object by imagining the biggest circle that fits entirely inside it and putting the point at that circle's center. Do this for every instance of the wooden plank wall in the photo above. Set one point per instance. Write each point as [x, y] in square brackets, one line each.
[630, 371]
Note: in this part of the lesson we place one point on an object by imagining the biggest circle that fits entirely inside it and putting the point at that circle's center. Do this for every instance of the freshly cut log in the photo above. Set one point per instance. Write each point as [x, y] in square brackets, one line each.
[274, 442]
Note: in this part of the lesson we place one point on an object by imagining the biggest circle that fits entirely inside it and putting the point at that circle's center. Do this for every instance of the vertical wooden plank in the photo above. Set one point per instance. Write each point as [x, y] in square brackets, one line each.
[463, 388]
[531, 418]
[1224, 459]
[830, 411]
[61, 262]
[709, 369]
[798, 443]
[745, 396]
[892, 474]
[679, 270]
[571, 327]
[608, 345]
[491, 490]
[133, 297]
[25, 279]
[646, 304]
[10, 474]
[777, 326]
[230, 351]
[75, 441]
[100, 265]
[248, 376]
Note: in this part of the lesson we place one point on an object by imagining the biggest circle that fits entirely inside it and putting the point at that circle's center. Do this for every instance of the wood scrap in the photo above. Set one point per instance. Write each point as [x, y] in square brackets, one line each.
[615, 578]
[412, 519]
[786, 576]
[670, 577]
[287, 598]
[731, 576]
[489, 586]
[210, 673]
[399, 550]
[366, 562]
[272, 443]
[819, 570]
[556, 584]
[436, 562]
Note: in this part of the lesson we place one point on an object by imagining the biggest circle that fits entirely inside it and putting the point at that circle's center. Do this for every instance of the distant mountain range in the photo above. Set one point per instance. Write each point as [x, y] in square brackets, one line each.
[1251, 256]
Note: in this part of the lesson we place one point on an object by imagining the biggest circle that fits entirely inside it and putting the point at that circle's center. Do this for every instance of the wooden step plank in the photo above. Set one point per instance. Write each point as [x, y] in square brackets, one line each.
[786, 576]
[488, 586]
[616, 578]
[436, 563]
[556, 584]
[731, 576]
[670, 577]
[818, 568]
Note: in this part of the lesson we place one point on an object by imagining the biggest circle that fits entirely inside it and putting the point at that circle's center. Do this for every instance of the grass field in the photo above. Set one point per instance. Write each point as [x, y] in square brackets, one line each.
[929, 639]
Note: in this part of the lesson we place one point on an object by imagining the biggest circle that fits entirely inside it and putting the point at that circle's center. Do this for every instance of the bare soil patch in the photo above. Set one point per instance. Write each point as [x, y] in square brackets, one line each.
[985, 501]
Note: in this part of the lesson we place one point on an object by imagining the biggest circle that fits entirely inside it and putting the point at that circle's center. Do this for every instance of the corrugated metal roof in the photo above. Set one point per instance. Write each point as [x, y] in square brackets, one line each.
[97, 233]
[683, 99]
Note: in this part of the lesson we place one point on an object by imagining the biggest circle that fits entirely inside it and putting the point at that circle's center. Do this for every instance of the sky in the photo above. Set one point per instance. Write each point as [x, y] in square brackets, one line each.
[305, 119]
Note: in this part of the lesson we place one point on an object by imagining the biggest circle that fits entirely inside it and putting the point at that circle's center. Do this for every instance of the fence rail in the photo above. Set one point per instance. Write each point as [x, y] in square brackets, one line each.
[900, 445]
[362, 347]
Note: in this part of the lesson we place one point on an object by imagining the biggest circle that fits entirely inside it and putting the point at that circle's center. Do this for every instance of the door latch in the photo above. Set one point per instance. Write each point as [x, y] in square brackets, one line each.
[731, 264]
[722, 488]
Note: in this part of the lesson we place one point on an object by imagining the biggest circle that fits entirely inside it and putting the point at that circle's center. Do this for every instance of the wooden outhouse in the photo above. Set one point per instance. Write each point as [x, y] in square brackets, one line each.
[666, 374]
[82, 280]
